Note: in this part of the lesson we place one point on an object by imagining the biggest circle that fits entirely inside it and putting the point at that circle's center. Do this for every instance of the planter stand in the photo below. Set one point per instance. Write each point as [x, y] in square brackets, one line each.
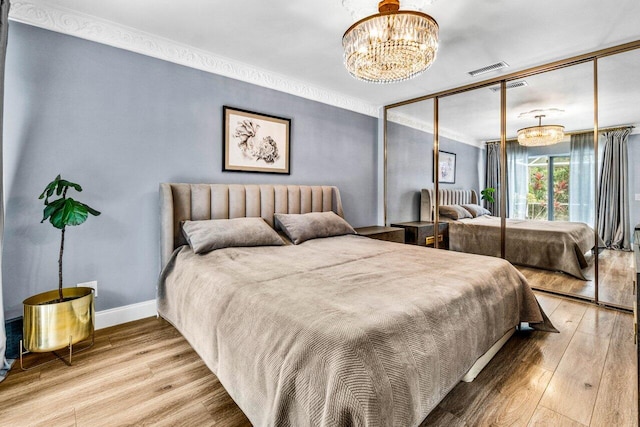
[86, 346]
[51, 326]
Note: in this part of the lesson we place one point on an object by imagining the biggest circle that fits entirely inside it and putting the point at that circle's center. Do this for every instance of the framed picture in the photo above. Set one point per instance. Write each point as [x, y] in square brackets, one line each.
[255, 142]
[447, 172]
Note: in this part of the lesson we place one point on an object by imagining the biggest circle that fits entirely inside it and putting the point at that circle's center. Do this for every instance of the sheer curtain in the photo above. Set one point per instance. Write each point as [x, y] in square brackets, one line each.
[517, 180]
[5, 365]
[581, 179]
[492, 176]
[613, 200]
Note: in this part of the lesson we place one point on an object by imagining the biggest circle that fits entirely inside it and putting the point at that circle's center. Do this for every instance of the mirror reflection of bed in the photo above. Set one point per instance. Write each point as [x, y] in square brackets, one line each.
[573, 275]
[615, 278]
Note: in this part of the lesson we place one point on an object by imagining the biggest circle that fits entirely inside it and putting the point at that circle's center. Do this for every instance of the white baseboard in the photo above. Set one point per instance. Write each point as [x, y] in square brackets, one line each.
[124, 314]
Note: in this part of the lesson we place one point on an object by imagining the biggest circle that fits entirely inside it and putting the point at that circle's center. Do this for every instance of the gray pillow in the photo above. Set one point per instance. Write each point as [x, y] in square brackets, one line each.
[303, 227]
[454, 212]
[209, 235]
[476, 210]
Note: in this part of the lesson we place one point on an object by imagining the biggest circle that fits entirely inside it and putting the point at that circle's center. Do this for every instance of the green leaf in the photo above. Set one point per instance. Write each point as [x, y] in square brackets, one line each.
[49, 189]
[51, 208]
[66, 183]
[64, 211]
[91, 210]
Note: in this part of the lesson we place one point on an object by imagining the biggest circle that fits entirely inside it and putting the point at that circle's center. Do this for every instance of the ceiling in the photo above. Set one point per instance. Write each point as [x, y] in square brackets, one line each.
[301, 39]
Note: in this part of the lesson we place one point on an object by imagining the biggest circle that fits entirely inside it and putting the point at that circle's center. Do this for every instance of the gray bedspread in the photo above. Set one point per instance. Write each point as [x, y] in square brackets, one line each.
[550, 245]
[342, 331]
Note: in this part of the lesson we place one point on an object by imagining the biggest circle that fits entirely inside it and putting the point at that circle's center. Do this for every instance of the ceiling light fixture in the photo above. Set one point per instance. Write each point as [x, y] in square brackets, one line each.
[390, 46]
[540, 135]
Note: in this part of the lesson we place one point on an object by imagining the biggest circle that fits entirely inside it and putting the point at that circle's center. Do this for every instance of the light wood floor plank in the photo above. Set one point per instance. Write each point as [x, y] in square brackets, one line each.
[548, 302]
[573, 389]
[617, 395]
[546, 350]
[544, 417]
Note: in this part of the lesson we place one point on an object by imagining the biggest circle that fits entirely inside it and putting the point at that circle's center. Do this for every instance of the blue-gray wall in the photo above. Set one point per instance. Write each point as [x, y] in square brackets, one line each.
[410, 168]
[119, 123]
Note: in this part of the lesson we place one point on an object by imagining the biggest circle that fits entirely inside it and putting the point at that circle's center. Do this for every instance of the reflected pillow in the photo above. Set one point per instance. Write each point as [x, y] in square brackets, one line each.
[454, 212]
[476, 210]
[209, 235]
[303, 227]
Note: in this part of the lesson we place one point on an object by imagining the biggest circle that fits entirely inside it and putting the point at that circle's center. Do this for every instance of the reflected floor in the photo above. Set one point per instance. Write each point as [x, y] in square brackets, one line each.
[616, 279]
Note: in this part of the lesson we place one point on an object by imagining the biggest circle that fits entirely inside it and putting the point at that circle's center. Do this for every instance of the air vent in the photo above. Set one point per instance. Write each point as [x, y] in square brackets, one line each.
[493, 67]
[510, 85]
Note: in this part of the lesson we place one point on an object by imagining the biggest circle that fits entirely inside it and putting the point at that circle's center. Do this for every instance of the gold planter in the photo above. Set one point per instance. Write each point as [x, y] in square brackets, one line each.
[50, 325]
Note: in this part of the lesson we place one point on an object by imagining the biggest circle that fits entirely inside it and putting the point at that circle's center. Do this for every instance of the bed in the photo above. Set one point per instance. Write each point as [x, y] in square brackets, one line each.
[335, 331]
[549, 245]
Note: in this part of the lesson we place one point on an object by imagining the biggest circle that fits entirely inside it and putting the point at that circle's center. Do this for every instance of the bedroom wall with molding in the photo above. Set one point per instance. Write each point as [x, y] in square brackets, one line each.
[119, 123]
[410, 168]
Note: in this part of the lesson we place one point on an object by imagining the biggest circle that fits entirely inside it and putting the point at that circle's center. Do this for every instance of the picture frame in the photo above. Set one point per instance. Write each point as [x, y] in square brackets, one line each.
[447, 169]
[255, 142]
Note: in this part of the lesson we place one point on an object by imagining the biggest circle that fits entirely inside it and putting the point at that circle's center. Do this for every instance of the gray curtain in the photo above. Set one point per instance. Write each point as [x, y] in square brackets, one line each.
[492, 176]
[517, 180]
[581, 179]
[613, 200]
[5, 365]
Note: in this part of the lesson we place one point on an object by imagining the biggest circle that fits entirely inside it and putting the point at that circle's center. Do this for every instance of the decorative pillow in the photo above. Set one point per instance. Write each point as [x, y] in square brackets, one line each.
[209, 235]
[303, 227]
[454, 212]
[476, 210]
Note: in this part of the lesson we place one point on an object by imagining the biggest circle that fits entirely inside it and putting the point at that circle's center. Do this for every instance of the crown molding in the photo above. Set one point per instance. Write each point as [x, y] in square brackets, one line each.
[423, 126]
[65, 21]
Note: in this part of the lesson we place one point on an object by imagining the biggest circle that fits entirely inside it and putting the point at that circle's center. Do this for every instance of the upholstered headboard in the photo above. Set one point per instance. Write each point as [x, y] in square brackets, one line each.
[447, 197]
[180, 202]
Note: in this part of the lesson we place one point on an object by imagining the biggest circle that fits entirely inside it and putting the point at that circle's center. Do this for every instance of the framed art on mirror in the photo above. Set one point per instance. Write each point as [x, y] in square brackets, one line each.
[255, 142]
[447, 171]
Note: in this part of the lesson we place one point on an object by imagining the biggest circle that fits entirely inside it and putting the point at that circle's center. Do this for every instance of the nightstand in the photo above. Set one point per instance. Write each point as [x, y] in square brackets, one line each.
[422, 233]
[390, 234]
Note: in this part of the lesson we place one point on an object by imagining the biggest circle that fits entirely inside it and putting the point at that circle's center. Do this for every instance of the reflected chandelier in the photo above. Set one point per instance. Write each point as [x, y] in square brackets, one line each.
[390, 46]
[540, 135]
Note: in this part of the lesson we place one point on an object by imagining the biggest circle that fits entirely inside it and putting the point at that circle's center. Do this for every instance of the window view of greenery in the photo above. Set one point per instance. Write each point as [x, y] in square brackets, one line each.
[540, 180]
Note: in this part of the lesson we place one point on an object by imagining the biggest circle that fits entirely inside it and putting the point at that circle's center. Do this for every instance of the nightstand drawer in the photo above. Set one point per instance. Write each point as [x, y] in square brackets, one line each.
[422, 233]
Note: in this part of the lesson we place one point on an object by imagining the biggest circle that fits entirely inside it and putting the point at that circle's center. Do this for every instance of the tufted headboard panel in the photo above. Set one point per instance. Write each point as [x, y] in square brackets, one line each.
[180, 202]
[447, 197]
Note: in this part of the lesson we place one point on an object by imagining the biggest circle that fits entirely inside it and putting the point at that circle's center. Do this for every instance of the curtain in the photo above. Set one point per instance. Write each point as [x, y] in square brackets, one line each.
[613, 200]
[517, 180]
[581, 179]
[5, 365]
[492, 176]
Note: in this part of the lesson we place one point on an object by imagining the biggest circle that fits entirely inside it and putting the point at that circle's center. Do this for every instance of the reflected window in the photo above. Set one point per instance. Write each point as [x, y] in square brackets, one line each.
[549, 186]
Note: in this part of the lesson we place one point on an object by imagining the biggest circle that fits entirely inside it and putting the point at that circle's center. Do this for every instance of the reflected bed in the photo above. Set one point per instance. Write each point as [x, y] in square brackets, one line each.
[550, 245]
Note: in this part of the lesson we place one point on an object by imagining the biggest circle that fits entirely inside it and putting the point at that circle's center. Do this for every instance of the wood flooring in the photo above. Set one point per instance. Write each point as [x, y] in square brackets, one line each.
[615, 271]
[145, 373]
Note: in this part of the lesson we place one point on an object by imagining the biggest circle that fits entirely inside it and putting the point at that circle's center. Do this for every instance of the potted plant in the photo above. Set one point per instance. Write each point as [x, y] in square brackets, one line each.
[487, 194]
[62, 317]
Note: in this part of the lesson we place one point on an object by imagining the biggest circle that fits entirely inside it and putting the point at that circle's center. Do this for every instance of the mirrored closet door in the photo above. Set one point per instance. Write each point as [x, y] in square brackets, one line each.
[570, 202]
[469, 124]
[618, 174]
[409, 167]
[550, 179]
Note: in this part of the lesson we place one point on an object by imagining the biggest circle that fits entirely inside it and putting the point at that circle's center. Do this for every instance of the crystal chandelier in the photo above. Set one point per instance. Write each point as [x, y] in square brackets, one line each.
[390, 46]
[535, 136]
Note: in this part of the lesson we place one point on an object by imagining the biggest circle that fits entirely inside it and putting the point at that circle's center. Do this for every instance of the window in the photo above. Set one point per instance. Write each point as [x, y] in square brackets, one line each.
[548, 197]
